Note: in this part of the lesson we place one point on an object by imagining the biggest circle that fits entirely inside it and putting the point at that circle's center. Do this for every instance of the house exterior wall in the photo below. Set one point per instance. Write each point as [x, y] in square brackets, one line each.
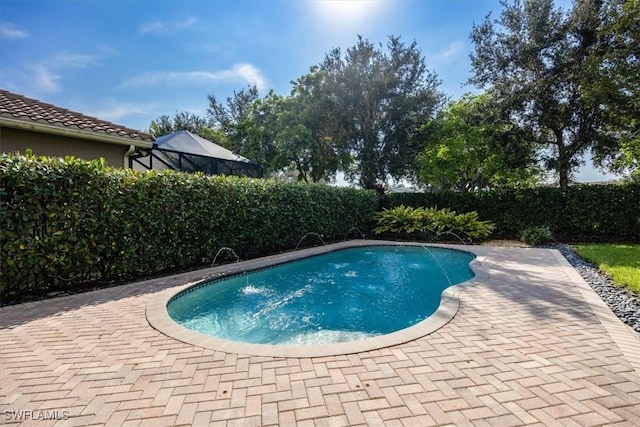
[12, 140]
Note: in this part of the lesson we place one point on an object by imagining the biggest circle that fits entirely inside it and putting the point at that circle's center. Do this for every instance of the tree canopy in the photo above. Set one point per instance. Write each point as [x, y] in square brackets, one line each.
[381, 98]
[546, 67]
[619, 79]
[470, 146]
[309, 137]
[556, 85]
[359, 113]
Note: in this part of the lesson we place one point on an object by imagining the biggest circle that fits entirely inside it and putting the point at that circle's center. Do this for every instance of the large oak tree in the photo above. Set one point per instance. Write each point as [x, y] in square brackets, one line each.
[545, 65]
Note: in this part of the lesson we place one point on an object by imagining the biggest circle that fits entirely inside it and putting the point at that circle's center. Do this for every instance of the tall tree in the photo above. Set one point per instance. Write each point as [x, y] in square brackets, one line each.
[542, 63]
[381, 99]
[237, 108]
[308, 136]
[469, 146]
[257, 131]
[249, 124]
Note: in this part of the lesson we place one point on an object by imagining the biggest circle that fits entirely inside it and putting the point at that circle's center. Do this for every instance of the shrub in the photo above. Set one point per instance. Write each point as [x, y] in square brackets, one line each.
[538, 235]
[400, 220]
[467, 225]
[431, 223]
[66, 223]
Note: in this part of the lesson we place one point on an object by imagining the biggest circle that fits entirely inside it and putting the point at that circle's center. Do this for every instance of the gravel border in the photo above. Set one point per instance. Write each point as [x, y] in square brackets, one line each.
[622, 302]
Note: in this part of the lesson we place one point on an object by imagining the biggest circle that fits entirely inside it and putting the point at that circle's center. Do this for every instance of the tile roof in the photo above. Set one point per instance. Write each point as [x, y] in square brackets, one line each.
[32, 111]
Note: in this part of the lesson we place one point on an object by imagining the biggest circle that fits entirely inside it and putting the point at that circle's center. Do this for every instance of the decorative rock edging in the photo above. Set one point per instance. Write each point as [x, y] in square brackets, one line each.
[622, 302]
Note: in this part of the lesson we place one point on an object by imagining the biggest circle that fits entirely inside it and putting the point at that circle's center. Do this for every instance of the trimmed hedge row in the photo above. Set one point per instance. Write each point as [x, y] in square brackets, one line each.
[69, 222]
[581, 212]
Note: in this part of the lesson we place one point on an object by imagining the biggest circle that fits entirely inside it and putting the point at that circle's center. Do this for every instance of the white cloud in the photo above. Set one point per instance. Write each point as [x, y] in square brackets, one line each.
[250, 74]
[242, 72]
[152, 27]
[46, 74]
[45, 79]
[12, 31]
[70, 60]
[452, 50]
[186, 23]
[160, 27]
[117, 111]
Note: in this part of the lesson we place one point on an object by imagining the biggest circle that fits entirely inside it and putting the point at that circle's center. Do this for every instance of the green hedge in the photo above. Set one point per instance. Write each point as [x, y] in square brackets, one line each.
[65, 223]
[582, 212]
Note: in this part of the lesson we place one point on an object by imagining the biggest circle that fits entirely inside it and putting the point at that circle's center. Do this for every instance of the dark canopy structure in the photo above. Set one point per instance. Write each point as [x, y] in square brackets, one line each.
[187, 152]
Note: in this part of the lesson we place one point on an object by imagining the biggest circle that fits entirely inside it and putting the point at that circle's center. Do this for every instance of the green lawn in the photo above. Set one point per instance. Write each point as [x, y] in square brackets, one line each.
[620, 261]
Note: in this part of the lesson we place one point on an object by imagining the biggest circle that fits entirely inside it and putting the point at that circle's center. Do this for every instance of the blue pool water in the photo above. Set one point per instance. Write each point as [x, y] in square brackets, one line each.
[340, 296]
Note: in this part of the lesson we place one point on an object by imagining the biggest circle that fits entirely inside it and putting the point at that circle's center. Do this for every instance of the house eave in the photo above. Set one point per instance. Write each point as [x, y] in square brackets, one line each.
[73, 133]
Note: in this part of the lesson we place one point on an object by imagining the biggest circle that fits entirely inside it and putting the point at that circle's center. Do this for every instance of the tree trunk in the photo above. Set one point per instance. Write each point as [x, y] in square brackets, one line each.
[368, 165]
[564, 160]
[302, 175]
[563, 170]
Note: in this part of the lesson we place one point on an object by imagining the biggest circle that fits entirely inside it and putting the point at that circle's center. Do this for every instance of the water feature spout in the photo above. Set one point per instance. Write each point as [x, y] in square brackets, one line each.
[426, 248]
[353, 229]
[440, 233]
[224, 248]
[310, 234]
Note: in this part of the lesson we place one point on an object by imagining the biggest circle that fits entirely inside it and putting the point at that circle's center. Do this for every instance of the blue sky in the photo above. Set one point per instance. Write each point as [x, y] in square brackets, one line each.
[130, 61]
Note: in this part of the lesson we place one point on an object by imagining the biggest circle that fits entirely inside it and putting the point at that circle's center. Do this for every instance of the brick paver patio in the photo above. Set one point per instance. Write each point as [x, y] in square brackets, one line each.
[531, 345]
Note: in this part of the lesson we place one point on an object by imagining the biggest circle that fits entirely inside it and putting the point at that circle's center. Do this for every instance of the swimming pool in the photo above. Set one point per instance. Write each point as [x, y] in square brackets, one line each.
[159, 319]
[344, 295]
